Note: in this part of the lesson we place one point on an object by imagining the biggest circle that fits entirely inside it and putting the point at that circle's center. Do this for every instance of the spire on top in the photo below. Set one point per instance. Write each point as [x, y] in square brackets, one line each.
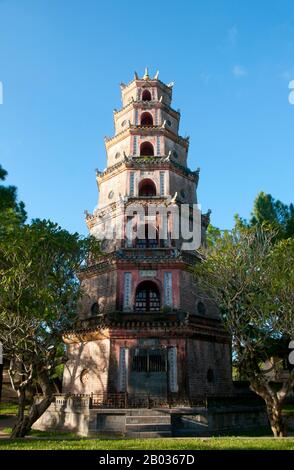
[146, 75]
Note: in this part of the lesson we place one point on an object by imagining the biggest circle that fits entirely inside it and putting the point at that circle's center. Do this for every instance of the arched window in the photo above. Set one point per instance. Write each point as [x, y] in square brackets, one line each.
[151, 237]
[147, 297]
[146, 95]
[146, 119]
[146, 149]
[147, 188]
[95, 309]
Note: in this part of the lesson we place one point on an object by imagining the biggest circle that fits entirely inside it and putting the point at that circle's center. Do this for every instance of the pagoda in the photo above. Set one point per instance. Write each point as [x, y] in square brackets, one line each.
[145, 333]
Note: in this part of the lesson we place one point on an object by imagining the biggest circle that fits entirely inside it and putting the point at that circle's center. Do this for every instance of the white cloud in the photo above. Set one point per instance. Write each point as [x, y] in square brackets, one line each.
[239, 71]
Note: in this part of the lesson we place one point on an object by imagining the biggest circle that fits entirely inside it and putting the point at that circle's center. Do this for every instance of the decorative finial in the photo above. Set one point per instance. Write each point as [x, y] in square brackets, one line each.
[167, 159]
[122, 86]
[136, 76]
[156, 75]
[146, 75]
[170, 85]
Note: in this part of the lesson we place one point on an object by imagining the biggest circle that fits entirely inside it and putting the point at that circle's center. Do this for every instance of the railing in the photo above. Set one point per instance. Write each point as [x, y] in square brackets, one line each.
[72, 401]
[141, 400]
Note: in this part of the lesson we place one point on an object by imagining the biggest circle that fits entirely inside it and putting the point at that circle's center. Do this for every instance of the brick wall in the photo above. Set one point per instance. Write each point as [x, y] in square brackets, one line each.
[205, 355]
[101, 289]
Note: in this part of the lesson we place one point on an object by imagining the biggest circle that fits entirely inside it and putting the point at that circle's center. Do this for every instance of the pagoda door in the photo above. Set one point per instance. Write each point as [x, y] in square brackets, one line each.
[148, 372]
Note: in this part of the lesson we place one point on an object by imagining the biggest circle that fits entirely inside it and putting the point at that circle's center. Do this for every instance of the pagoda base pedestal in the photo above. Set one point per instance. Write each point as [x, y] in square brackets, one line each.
[219, 416]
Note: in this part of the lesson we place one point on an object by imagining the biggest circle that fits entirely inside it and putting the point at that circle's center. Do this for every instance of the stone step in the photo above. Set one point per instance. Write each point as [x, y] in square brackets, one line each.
[147, 427]
[148, 419]
[147, 412]
[149, 434]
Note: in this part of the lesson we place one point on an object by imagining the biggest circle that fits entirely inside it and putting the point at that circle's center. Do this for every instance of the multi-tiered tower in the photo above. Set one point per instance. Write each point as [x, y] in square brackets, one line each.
[144, 327]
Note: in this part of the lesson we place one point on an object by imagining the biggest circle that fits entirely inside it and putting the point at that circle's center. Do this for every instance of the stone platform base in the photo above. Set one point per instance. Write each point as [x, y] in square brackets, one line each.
[156, 422]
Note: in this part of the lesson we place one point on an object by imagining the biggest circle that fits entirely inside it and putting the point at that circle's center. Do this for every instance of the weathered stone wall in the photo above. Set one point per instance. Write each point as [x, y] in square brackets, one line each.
[187, 192]
[205, 356]
[190, 296]
[115, 152]
[112, 188]
[185, 188]
[121, 120]
[100, 288]
[181, 152]
[174, 123]
[86, 370]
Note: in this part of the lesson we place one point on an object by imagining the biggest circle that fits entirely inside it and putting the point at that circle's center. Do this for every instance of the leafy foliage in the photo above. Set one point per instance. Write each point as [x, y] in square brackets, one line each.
[39, 294]
[10, 209]
[251, 279]
[271, 212]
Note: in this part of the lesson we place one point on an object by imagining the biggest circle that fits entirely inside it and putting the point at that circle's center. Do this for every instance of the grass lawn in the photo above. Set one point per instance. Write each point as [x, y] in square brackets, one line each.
[288, 409]
[63, 441]
[212, 443]
[8, 409]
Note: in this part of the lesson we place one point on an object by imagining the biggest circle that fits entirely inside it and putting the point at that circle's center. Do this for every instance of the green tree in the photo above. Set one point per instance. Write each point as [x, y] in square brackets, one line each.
[10, 210]
[39, 292]
[270, 211]
[11, 213]
[251, 280]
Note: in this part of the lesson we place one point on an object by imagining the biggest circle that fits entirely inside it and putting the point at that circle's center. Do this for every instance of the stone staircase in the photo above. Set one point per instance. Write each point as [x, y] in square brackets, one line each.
[144, 422]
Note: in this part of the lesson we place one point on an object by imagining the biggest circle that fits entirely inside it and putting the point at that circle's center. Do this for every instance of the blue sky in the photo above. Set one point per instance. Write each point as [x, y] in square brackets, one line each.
[61, 62]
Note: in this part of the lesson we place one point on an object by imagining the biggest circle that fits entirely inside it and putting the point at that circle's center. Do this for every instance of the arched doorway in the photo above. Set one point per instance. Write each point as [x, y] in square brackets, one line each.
[146, 95]
[147, 188]
[147, 298]
[146, 149]
[146, 119]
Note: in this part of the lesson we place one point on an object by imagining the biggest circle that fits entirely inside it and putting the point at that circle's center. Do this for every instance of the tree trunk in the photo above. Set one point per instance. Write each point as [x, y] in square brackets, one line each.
[20, 415]
[25, 423]
[276, 419]
[274, 406]
[23, 426]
